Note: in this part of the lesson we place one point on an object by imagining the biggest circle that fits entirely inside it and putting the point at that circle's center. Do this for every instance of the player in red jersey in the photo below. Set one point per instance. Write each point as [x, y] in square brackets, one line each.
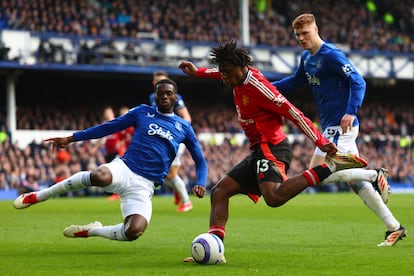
[261, 111]
[111, 141]
[124, 139]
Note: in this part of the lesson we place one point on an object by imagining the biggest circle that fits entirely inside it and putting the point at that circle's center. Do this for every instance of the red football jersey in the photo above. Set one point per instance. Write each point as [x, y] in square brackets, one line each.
[261, 109]
[125, 137]
[112, 143]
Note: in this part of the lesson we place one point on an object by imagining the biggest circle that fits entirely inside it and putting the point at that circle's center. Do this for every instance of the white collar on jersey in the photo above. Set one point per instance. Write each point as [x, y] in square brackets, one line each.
[165, 114]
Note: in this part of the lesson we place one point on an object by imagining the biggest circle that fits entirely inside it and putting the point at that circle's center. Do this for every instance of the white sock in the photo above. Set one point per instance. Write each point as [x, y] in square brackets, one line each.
[373, 200]
[181, 189]
[76, 182]
[169, 183]
[112, 232]
[350, 175]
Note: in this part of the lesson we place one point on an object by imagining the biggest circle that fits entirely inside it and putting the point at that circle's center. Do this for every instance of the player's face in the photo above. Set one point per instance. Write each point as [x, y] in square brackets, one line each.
[307, 36]
[232, 75]
[165, 97]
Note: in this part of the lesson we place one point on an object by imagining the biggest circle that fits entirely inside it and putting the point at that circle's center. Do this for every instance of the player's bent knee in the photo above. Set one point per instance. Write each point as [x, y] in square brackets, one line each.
[273, 199]
[274, 202]
[135, 226]
[271, 195]
[101, 176]
[133, 236]
[133, 233]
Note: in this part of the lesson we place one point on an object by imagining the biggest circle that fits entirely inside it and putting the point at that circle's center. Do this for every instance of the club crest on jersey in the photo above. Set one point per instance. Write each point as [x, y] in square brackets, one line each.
[155, 129]
[347, 69]
[279, 100]
[178, 126]
[245, 100]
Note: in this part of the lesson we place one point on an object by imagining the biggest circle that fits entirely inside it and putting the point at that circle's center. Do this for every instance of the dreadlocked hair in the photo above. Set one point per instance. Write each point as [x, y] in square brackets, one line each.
[229, 53]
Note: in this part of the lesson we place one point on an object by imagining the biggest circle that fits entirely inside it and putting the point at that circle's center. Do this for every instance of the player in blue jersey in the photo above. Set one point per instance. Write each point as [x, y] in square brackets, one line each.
[157, 136]
[339, 90]
[173, 179]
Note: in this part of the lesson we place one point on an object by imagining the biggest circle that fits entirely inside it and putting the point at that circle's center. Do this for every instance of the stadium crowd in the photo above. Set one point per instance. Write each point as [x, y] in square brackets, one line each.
[385, 140]
[386, 25]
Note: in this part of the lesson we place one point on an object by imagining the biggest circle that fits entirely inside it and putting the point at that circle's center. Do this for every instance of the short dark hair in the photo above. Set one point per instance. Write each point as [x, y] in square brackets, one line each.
[229, 53]
[160, 73]
[167, 81]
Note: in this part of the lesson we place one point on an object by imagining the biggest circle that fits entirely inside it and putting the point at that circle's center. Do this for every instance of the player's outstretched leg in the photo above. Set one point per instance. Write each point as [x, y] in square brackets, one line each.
[80, 231]
[78, 181]
[343, 161]
[377, 177]
[381, 184]
[96, 229]
[351, 175]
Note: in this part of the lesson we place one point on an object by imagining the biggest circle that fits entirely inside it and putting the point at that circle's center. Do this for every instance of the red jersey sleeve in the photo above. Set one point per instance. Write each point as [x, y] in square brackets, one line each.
[210, 73]
[268, 98]
[292, 113]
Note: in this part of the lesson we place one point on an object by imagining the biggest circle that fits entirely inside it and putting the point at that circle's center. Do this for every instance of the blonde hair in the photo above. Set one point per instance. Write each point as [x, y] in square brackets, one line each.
[302, 20]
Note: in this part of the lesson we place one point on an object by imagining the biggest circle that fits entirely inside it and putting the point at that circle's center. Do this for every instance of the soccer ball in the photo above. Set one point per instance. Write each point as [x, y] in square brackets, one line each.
[207, 249]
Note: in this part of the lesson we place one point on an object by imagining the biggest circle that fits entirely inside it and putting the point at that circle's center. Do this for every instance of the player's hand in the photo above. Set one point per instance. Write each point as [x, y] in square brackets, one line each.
[346, 123]
[188, 67]
[330, 148]
[58, 142]
[199, 191]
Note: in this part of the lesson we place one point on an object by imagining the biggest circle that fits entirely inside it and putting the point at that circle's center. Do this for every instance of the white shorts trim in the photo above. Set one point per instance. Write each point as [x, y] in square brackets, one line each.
[134, 190]
[346, 143]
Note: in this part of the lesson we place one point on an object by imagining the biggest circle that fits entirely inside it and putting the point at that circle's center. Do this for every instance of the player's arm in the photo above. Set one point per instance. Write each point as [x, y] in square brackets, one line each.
[292, 113]
[340, 64]
[190, 69]
[201, 167]
[184, 113]
[95, 132]
[59, 142]
[293, 82]
[181, 109]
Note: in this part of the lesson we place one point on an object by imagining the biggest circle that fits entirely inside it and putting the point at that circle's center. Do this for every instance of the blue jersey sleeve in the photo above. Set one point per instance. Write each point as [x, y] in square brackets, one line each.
[196, 152]
[293, 82]
[340, 65]
[104, 129]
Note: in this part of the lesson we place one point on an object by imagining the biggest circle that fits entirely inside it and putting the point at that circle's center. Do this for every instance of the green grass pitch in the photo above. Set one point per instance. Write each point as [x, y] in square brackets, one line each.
[319, 234]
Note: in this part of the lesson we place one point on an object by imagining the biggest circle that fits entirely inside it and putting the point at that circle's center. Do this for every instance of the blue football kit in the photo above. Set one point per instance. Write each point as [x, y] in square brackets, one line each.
[154, 143]
[337, 87]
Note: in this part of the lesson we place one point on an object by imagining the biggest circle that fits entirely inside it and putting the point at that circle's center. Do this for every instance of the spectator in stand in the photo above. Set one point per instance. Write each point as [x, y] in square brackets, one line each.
[348, 23]
[129, 52]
